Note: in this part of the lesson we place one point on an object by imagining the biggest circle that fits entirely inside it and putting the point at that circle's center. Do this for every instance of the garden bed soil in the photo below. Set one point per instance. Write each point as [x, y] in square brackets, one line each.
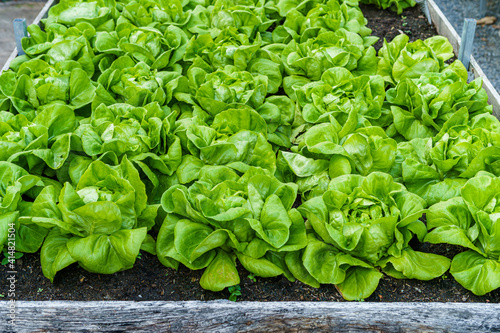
[150, 280]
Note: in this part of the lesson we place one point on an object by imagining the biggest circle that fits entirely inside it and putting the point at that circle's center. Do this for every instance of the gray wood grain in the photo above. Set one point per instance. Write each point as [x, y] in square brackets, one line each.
[225, 316]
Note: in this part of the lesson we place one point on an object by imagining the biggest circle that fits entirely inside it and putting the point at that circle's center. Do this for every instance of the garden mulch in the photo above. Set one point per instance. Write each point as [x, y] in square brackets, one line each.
[150, 280]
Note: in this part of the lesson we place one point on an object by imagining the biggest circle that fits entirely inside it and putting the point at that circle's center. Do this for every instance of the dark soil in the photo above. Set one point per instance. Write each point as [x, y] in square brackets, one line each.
[387, 24]
[150, 280]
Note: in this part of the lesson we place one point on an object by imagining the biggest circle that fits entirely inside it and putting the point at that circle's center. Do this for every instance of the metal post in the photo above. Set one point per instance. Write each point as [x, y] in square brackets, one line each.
[482, 8]
[20, 31]
[427, 12]
[468, 33]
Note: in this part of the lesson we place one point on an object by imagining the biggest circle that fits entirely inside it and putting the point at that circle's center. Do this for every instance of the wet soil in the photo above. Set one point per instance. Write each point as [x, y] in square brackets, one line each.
[150, 280]
[387, 24]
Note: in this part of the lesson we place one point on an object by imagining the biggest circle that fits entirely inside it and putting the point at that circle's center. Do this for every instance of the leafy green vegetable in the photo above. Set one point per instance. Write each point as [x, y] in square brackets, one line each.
[222, 215]
[100, 223]
[402, 60]
[395, 5]
[365, 222]
[471, 221]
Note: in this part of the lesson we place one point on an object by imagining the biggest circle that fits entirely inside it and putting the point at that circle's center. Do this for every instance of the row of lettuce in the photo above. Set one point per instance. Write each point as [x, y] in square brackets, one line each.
[268, 133]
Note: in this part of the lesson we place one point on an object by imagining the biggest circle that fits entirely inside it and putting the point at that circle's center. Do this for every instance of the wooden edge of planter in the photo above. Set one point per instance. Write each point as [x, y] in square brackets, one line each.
[445, 29]
[225, 316]
[43, 14]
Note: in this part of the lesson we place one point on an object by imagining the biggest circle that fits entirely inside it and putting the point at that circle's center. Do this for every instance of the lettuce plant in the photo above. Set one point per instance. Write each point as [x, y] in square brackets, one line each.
[322, 156]
[471, 221]
[436, 169]
[158, 50]
[421, 108]
[250, 18]
[136, 84]
[59, 44]
[223, 216]
[37, 86]
[15, 182]
[44, 143]
[400, 59]
[372, 220]
[339, 94]
[100, 223]
[70, 12]
[394, 5]
[330, 49]
[301, 24]
[156, 14]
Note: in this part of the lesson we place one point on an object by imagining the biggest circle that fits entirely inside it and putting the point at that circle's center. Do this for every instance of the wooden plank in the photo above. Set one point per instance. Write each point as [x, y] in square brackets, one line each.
[225, 316]
[445, 29]
[43, 14]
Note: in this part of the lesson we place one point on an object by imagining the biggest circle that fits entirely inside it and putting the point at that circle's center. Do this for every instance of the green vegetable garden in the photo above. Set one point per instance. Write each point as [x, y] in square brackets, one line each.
[266, 134]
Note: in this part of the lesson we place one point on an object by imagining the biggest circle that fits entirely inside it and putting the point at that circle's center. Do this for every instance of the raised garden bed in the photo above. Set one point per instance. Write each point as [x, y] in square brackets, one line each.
[149, 280]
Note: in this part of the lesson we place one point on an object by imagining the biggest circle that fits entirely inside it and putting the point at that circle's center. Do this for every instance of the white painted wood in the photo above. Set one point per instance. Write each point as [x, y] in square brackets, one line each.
[444, 28]
[43, 14]
[225, 316]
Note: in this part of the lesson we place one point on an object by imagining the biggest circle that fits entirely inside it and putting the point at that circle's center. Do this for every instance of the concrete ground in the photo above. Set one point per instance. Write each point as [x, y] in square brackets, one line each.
[8, 12]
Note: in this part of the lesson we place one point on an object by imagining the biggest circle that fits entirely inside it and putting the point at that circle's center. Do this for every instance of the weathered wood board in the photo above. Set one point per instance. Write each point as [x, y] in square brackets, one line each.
[225, 316]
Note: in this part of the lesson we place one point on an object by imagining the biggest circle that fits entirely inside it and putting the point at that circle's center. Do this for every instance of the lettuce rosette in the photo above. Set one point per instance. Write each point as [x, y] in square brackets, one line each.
[421, 108]
[143, 134]
[229, 95]
[395, 5]
[234, 49]
[100, 13]
[58, 43]
[363, 223]
[437, 168]
[37, 86]
[250, 17]
[42, 144]
[160, 14]
[325, 152]
[473, 222]
[137, 84]
[345, 97]
[332, 15]
[18, 189]
[223, 216]
[240, 151]
[400, 59]
[340, 48]
[101, 222]
[159, 50]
